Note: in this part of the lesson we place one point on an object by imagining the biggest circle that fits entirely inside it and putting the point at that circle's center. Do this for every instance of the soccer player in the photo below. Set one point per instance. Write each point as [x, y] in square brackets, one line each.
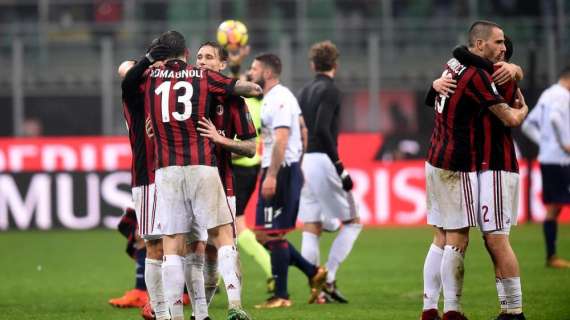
[451, 169]
[281, 180]
[246, 171]
[326, 193]
[176, 97]
[547, 126]
[143, 188]
[230, 118]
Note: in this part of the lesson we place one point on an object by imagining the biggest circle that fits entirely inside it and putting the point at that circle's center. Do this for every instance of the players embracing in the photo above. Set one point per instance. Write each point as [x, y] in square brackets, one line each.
[472, 174]
[177, 96]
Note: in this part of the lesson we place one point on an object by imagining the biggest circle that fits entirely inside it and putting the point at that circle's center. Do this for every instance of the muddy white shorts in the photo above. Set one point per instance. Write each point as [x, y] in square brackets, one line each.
[498, 201]
[187, 197]
[452, 198]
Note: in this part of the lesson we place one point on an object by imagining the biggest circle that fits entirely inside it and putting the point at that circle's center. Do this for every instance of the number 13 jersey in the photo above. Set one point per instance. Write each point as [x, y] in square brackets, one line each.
[177, 95]
[454, 144]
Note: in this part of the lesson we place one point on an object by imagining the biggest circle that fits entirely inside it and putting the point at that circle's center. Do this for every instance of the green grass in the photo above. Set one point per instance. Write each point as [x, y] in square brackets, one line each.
[71, 275]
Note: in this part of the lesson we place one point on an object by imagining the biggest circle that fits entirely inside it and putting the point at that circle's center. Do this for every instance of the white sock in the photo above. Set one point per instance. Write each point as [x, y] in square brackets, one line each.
[501, 295]
[153, 280]
[230, 271]
[341, 247]
[432, 277]
[513, 292]
[194, 273]
[310, 248]
[452, 272]
[173, 284]
[210, 279]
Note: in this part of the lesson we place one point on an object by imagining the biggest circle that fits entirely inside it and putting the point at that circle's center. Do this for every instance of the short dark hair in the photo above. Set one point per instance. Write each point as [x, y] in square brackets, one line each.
[565, 73]
[271, 61]
[481, 29]
[175, 41]
[222, 52]
[323, 55]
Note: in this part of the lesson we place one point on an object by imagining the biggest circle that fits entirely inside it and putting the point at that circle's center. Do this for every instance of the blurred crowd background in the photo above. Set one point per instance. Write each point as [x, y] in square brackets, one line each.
[59, 57]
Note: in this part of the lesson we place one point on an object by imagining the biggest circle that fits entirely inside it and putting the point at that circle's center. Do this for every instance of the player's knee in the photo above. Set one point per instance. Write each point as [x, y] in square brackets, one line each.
[313, 227]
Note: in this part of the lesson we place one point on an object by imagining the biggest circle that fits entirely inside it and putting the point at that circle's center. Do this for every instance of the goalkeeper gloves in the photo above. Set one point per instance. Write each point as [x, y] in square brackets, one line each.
[344, 176]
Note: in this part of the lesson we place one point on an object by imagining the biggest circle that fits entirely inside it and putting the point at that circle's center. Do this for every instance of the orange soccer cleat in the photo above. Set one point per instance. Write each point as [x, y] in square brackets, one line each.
[557, 263]
[135, 298]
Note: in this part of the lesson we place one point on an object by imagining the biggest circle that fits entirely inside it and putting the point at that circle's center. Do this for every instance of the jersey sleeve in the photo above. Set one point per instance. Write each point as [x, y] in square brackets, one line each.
[483, 90]
[219, 84]
[241, 119]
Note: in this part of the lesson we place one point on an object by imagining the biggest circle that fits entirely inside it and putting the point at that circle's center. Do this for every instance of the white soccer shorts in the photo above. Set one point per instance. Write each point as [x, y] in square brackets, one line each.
[144, 198]
[452, 198]
[187, 197]
[322, 196]
[498, 201]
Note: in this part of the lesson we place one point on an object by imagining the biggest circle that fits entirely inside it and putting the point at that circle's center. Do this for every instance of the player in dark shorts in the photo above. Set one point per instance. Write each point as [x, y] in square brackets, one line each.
[281, 180]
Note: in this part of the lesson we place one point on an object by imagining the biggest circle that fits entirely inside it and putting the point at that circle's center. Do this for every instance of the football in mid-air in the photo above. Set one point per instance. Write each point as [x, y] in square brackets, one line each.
[232, 34]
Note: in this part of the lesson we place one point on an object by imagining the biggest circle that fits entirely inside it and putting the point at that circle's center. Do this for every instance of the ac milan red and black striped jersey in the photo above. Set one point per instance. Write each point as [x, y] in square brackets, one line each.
[231, 117]
[454, 144]
[142, 146]
[177, 95]
[497, 147]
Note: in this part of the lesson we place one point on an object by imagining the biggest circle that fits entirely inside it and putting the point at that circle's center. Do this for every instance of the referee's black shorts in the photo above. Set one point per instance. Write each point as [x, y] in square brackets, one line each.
[245, 179]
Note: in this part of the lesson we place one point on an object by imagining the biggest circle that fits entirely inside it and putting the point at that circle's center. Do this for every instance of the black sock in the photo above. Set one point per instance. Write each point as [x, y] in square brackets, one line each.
[298, 261]
[140, 256]
[550, 227]
[279, 265]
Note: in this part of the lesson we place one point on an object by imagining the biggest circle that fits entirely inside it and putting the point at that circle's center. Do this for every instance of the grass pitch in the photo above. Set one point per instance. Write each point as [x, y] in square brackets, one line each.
[71, 275]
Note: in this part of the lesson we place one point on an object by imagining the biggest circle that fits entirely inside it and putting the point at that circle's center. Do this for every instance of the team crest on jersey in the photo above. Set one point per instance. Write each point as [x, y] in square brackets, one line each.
[220, 109]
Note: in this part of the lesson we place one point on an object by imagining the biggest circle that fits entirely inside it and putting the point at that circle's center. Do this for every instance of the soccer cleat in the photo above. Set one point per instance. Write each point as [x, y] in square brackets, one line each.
[453, 315]
[508, 316]
[332, 293]
[147, 313]
[557, 263]
[237, 314]
[270, 285]
[430, 314]
[274, 302]
[135, 298]
[186, 299]
[316, 283]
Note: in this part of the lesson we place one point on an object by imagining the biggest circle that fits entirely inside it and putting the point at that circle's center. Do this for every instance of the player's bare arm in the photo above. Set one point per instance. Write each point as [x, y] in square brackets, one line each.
[304, 133]
[247, 89]
[244, 148]
[445, 85]
[280, 140]
[507, 72]
[511, 116]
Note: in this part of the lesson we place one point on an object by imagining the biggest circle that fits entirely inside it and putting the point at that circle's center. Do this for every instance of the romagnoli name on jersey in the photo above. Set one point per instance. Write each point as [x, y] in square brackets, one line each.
[186, 73]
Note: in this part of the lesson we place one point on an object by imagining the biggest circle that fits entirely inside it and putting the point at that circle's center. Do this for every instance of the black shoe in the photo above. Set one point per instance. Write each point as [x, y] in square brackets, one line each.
[507, 316]
[332, 293]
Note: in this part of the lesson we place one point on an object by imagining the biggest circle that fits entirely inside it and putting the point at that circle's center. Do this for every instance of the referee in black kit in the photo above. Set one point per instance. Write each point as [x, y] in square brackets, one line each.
[326, 195]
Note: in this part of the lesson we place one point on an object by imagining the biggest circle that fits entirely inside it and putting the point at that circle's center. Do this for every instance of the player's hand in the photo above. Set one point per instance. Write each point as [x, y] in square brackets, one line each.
[505, 73]
[148, 127]
[566, 148]
[236, 57]
[445, 85]
[347, 183]
[268, 187]
[158, 53]
[207, 129]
